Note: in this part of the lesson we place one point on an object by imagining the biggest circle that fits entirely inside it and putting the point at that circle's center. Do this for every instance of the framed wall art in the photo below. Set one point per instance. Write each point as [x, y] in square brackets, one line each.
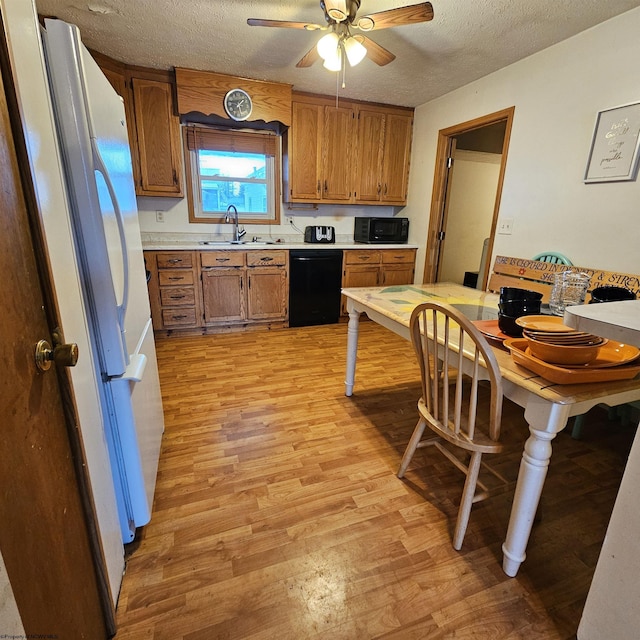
[616, 141]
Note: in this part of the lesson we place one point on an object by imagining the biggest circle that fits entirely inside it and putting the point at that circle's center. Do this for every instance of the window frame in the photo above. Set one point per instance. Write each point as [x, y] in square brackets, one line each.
[231, 138]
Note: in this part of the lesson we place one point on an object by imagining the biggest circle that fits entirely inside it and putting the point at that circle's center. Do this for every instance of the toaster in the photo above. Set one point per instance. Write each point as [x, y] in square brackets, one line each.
[320, 233]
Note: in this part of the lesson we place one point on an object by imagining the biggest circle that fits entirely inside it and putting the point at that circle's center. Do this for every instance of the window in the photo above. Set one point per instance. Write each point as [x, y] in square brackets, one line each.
[232, 168]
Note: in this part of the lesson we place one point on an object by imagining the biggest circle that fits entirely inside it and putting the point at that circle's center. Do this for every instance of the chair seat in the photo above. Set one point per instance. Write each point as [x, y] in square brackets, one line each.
[480, 441]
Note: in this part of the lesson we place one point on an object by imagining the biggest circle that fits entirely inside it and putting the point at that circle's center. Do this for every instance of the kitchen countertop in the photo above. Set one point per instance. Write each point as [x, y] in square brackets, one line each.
[193, 245]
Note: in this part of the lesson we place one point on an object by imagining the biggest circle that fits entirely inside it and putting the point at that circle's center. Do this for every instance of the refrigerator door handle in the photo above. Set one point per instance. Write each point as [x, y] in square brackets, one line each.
[135, 368]
[101, 167]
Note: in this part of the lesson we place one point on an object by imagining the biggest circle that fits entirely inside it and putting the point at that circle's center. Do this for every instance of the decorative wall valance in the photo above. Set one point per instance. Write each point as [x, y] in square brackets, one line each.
[204, 92]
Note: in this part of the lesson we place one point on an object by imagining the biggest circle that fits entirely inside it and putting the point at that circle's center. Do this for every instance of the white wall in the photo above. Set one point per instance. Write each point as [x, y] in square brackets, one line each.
[176, 219]
[557, 94]
[472, 197]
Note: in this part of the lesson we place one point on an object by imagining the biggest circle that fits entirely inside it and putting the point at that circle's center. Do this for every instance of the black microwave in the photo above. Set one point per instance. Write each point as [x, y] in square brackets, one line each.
[381, 230]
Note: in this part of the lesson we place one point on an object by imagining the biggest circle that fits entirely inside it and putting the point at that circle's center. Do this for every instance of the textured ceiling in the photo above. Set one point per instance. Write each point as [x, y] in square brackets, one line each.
[467, 39]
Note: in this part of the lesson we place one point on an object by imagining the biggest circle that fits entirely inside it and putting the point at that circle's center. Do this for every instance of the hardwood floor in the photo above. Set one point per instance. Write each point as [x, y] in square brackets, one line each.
[278, 513]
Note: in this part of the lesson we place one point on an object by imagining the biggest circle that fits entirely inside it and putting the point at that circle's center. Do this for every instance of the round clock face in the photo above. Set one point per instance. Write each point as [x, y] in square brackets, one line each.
[237, 104]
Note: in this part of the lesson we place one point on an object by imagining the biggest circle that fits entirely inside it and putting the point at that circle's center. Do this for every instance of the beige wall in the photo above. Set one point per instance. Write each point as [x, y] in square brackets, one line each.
[471, 201]
[557, 94]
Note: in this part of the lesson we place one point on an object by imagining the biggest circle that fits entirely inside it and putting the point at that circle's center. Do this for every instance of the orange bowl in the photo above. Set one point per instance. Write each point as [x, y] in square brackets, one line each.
[563, 354]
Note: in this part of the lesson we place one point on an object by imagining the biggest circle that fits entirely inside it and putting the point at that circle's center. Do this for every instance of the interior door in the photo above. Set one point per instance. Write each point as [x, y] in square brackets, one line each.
[442, 187]
[45, 540]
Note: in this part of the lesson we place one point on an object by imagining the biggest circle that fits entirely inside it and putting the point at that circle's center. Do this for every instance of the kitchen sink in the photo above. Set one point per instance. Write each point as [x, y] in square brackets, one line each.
[226, 243]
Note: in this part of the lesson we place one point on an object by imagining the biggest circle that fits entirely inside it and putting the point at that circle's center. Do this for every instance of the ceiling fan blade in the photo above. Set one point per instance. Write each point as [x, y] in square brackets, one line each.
[309, 58]
[412, 14]
[336, 9]
[376, 53]
[257, 22]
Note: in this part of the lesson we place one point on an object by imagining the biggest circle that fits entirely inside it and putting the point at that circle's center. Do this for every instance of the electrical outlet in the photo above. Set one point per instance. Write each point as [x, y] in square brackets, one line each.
[159, 216]
[505, 227]
[290, 219]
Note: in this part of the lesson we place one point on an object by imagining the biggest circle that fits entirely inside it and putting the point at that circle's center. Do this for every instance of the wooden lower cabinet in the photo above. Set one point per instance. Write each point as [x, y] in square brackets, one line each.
[375, 268]
[223, 294]
[267, 293]
[251, 287]
[173, 293]
[221, 289]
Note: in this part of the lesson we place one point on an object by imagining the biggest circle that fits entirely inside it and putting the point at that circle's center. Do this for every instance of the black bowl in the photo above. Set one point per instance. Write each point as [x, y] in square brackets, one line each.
[508, 294]
[515, 308]
[611, 294]
[508, 326]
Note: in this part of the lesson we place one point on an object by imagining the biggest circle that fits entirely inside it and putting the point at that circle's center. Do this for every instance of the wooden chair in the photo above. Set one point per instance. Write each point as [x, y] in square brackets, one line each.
[553, 257]
[450, 405]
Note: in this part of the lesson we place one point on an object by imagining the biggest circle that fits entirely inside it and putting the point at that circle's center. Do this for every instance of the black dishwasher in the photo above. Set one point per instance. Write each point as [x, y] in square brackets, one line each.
[315, 278]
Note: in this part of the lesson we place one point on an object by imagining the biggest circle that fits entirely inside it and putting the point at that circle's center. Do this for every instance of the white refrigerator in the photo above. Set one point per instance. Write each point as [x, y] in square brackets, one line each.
[93, 141]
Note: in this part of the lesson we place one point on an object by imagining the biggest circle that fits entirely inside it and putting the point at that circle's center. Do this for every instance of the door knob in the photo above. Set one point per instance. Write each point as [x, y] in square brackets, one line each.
[65, 355]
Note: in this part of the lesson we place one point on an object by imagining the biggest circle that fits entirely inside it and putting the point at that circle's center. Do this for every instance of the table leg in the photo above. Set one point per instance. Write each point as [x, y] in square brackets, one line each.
[531, 477]
[352, 347]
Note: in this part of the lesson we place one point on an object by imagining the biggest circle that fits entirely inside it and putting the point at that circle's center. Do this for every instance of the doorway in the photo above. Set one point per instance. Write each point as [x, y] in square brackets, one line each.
[470, 164]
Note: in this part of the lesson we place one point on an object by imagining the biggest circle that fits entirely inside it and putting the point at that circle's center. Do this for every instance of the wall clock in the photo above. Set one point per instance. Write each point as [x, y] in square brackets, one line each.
[237, 104]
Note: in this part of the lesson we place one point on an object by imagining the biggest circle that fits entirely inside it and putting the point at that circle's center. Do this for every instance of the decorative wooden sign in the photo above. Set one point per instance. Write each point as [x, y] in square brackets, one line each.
[538, 276]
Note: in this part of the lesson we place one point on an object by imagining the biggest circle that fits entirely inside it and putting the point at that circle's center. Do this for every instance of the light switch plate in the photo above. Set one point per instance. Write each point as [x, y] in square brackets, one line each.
[505, 226]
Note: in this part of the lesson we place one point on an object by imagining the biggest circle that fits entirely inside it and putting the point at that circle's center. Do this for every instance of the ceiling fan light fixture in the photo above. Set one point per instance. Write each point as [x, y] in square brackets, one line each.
[334, 61]
[354, 50]
[328, 45]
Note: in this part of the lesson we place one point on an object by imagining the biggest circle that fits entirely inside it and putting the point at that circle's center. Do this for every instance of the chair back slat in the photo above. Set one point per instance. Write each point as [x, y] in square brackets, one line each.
[451, 396]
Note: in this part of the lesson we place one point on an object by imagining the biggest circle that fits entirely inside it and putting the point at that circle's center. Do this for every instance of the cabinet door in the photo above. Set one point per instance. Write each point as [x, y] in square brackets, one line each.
[267, 293]
[304, 154]
[359, 275]
[369, 155]
[395, 166]
[396, 274]
[223, 293]
[337, 162]
[158, 138]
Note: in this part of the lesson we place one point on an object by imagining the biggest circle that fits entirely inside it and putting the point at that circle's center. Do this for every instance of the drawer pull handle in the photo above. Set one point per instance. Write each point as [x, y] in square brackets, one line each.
[177, 297]
[174, 260]
[176, 277]
[266, 259]
[364, 257]
[181, 317]
[222, 259]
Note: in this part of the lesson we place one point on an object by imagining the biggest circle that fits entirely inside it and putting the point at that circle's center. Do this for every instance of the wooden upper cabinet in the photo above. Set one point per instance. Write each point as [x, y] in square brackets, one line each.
[158, 138]
[337, 163]
[369, 155]
[348, 154]
[395, 164]
[304, 156]
[152, 125]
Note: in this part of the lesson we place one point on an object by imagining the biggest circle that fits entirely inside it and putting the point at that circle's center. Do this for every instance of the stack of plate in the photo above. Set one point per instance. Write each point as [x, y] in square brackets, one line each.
[551, 341]
[567, 338]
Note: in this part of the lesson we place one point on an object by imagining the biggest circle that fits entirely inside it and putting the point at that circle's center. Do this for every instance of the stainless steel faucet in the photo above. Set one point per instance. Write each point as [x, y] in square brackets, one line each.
[237, 232]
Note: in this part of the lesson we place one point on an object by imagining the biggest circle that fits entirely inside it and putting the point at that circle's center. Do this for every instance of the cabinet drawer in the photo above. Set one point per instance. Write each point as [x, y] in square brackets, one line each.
[174, 277]
[266, 258]
[177, 297]
[178, 317]
[222, 258]
[177, 260]
[357, 256]
[401, 255]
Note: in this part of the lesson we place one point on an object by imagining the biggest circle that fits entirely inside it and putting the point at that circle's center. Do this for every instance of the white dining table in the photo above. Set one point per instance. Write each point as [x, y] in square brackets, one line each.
[547, 406]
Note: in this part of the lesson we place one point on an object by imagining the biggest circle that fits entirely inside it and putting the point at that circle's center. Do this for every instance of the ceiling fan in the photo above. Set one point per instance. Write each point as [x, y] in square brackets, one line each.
[340, 44]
